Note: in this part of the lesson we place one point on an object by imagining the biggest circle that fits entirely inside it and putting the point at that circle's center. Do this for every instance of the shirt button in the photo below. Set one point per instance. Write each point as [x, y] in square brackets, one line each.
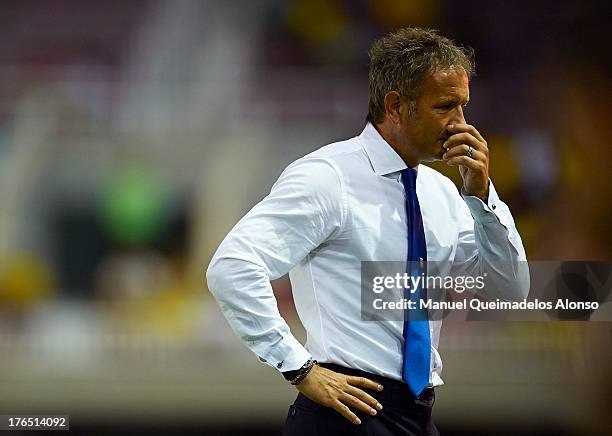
[493, 207]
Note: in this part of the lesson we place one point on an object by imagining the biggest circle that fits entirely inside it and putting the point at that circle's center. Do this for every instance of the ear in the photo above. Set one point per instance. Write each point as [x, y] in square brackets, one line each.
[393, 106]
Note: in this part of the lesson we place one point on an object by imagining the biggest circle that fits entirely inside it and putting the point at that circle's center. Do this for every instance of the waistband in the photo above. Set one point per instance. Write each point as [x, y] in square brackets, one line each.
[395, 392]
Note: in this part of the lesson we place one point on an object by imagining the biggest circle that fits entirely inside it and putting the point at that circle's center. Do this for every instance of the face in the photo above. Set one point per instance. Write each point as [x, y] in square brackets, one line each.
[443, 98]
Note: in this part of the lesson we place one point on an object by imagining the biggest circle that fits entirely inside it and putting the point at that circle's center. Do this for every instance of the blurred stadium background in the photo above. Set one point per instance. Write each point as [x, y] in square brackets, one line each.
[135, 133]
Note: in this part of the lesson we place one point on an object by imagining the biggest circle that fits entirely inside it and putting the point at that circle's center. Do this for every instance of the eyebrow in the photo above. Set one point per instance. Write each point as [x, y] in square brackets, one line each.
[448, 100]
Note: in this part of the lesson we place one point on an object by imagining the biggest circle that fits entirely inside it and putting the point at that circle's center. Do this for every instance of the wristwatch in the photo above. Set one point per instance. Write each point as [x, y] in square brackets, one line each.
[296, 376]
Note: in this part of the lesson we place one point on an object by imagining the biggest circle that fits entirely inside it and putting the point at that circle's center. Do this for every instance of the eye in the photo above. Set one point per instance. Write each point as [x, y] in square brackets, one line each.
[446, 106]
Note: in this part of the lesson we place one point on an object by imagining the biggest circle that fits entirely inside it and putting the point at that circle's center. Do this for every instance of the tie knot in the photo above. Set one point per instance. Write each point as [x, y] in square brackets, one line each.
[409, 178]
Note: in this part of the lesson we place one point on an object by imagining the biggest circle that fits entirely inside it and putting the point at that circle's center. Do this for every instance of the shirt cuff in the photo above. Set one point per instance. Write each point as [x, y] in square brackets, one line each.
[483, 213]
[287, 355]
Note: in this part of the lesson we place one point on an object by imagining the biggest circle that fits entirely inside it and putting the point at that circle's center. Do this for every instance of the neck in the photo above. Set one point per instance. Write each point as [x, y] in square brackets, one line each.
[406, 152]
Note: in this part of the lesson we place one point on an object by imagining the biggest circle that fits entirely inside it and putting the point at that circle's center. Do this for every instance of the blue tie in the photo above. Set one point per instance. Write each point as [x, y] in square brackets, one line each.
[417, 344]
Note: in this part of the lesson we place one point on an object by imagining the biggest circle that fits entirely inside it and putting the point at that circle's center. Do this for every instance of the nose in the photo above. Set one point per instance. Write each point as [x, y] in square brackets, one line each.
[458, 116]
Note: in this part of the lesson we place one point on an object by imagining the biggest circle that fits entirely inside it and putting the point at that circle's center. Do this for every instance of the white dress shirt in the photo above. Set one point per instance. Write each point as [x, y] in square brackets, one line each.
[327, 212]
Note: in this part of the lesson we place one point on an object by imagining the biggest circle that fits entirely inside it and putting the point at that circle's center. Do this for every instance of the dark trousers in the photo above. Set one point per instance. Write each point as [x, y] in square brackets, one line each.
[402, 413]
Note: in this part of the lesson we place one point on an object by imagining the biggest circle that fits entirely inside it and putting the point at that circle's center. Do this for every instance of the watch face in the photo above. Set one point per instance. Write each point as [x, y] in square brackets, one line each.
[292, 375]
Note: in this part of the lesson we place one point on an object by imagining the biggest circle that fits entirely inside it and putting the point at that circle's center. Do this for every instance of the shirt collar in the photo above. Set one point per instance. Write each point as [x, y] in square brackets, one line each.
[383, 158]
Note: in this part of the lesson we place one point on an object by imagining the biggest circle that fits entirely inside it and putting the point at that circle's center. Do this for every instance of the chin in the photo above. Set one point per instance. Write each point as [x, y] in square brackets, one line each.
[434, 155]
[429, 158]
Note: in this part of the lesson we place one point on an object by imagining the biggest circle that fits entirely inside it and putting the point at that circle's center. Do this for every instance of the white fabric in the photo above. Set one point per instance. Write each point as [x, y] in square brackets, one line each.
[327, 212]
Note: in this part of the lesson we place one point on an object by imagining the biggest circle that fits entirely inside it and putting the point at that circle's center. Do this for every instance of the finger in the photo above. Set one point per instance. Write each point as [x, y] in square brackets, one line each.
[457, 150]
[364, 382]
[364, 396]
[463, 138]
[464, 127]
[464, 150]
[344, 410]
[467, 162]
[356, 403]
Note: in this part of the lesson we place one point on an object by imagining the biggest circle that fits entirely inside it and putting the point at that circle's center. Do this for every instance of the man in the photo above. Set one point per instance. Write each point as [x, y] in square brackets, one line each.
[361, 200]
